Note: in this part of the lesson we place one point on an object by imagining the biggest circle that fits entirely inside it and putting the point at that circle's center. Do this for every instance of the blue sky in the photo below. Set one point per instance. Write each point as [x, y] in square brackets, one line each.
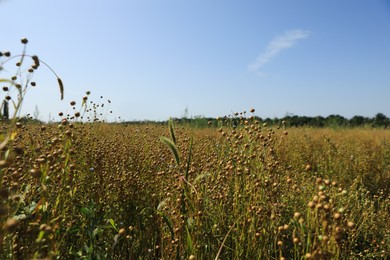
[154, 59]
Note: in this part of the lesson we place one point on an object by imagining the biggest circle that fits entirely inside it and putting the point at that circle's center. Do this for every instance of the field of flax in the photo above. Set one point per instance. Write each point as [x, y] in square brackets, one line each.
[242, 190]
[239, 190]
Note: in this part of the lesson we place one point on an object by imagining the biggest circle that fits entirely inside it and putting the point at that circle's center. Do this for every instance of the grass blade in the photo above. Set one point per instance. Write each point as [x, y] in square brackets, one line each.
[189, 158]
[172, 131]
[172, 147]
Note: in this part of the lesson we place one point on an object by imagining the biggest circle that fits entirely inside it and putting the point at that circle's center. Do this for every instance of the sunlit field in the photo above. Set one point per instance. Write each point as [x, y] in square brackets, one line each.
[101, 191]
[234, 189]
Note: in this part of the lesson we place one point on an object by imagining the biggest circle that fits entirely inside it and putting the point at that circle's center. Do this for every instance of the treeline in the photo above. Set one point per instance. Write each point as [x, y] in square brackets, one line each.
[334, 121]
[379, 120]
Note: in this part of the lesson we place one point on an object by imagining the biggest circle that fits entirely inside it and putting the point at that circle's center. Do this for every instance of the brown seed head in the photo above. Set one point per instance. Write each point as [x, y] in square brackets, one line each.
[297, 215]
[122, 231]
[35, 172]
[36, 61]
[10, 225]
[337, 216]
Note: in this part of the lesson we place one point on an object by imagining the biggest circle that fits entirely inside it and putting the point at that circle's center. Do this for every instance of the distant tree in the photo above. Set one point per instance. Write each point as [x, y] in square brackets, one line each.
[336, 121]
[381, 120]
[268, 120]
[318, 121]
[358, 121]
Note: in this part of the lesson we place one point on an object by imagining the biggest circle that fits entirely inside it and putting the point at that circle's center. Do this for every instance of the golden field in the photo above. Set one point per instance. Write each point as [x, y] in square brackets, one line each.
[245, 191]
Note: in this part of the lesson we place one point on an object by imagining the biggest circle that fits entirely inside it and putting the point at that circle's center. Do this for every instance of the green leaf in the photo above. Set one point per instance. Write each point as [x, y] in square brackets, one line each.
[85, 211]
[172, 147]
[168, 222]
[165, 218]
[190, 246]
[112, 222]
[97, 231]
[40, 236]
[172, 131]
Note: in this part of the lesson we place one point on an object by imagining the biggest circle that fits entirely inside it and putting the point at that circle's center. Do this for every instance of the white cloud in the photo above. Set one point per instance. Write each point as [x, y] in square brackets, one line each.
[279, 43]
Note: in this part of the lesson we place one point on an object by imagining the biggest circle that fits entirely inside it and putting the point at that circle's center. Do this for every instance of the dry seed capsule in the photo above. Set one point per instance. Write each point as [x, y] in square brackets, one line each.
[42, 227]
[36, 61]
[35, 172]
[337, 216]
[122, 231]
[10, 225]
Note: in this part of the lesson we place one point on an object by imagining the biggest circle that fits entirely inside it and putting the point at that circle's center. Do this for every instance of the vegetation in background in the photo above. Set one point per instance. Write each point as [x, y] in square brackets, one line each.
[331, 121]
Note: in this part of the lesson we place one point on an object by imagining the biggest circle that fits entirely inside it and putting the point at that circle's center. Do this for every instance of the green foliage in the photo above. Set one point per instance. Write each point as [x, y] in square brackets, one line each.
[332, 121]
